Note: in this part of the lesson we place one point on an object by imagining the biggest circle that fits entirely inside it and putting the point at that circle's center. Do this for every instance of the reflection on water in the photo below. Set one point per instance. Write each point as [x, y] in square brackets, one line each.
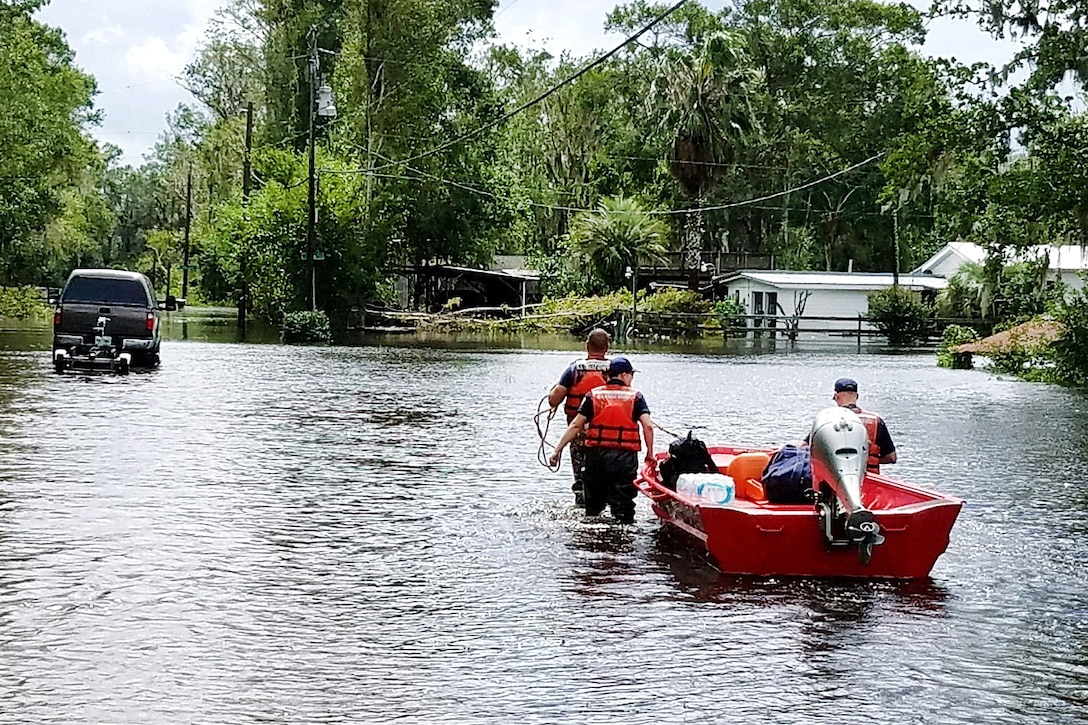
[260, 533]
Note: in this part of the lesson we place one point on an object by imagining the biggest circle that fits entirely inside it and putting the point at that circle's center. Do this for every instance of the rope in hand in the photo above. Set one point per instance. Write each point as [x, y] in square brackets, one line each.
[541, 454]
[542, 408]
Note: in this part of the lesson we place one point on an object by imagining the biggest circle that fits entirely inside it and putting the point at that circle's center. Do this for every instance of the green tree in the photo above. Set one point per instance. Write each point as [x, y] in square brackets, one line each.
[620, 235]
[1055, 35]
[706, 98]
[44, 104]
[900, 315]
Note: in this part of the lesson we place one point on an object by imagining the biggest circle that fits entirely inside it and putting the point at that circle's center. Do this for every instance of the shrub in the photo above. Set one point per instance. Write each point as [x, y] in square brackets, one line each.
[21, 303]
[900, 315]
[953, 336]
[1070, 350]
[731, 312]
[306, 328]
[674, 300]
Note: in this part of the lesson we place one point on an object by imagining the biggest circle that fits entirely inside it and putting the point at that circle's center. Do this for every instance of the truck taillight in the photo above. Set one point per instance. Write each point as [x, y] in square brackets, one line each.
[56, 316]
[151, 320]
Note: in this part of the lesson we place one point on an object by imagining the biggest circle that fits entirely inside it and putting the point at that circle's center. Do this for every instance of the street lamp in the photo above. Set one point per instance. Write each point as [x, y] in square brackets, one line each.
[321, 104]
[632, 274]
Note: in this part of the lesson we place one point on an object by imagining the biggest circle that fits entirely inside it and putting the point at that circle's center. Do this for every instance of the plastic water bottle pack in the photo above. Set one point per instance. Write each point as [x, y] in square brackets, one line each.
[714, 488]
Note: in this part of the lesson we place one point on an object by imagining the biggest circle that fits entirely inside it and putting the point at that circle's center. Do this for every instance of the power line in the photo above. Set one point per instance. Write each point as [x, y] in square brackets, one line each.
[529, 104]
[655, 212]
[512, 4]
[794, 190]
[137, 85]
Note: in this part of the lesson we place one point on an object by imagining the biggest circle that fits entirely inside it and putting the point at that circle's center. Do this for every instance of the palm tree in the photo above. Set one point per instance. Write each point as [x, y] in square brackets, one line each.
[969, 292]
[619, 235]
[706, 97]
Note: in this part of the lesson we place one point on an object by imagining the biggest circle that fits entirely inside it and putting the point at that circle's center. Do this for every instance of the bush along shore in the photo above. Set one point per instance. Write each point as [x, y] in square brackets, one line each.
[23, 303]
[1050, 348]
[668, 313]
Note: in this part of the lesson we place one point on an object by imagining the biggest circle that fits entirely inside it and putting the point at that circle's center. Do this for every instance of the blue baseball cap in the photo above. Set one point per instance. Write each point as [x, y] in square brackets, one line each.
[846, 385]
[620, 365]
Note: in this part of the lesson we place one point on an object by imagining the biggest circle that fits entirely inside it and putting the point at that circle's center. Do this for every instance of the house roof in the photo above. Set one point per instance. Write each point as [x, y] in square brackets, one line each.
[1027, 336]
[1068, 257]
[834, 280]
[1063, 258]
[961, 251]
[449, 270]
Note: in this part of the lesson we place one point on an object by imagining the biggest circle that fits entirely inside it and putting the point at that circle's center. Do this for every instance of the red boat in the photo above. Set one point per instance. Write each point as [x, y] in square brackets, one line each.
[903, 529]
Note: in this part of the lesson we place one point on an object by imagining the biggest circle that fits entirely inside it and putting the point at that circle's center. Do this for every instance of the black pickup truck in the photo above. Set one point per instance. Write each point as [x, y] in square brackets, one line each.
[106, 319]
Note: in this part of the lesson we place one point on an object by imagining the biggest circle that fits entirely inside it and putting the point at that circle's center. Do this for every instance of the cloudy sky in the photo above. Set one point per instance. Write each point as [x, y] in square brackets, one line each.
[137, 48]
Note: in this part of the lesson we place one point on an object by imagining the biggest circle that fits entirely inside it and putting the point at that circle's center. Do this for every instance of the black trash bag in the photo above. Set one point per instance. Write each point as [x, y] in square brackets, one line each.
[686, 455]
[788, 476]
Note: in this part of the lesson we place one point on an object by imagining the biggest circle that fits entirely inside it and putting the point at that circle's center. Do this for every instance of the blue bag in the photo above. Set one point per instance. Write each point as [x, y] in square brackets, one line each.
[788, 476]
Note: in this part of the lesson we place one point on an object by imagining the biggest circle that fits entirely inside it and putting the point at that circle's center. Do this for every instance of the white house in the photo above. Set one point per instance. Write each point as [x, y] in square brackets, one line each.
[840, 298]
[950, 258]
[1066, 262]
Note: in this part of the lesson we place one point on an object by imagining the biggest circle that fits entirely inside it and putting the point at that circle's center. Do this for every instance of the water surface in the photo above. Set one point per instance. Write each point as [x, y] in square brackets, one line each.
[256, 533]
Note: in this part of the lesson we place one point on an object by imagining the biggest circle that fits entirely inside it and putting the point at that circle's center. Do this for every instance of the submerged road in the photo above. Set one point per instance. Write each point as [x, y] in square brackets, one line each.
[264, 534]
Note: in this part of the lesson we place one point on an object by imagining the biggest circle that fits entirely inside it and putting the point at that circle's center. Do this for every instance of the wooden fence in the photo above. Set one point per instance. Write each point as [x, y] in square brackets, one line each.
[692, 324]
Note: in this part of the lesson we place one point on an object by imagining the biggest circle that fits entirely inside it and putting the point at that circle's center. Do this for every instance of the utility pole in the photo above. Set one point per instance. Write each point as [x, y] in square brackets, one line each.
[311, 218]
[243, 298]
[188, 224]
[321, 104]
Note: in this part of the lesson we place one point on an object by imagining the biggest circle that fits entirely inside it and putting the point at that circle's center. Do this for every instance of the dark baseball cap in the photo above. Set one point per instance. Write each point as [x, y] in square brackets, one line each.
[846, 385]
[620, 365]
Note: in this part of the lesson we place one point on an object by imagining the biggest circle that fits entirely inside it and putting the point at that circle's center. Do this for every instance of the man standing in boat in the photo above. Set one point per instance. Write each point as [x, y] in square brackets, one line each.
[610, 417]
[881, 447]
[579, 378]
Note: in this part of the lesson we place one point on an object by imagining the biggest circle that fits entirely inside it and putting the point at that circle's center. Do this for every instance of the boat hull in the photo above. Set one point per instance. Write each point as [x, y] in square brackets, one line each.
[757, 538]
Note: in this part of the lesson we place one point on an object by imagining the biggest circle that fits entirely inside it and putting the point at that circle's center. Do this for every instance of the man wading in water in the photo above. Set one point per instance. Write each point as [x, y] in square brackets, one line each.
[579, 378]
[610, 417]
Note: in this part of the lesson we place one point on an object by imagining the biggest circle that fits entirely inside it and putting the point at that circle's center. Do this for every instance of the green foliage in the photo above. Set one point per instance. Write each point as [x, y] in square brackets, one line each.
[761, 97]
[731, 313]
[730, 307]
[953, 336]
[705, 100]
[306, 328]
[900, 315]
[618, 236]
[1008, 293]
[1070, 349]
[601, 306]
[674, 300]
[44, 153]
[1027, 350]
[563, 272]
[797, 248]
[1052, 42]
[22, 303]
[1023, 292]
[967, 293]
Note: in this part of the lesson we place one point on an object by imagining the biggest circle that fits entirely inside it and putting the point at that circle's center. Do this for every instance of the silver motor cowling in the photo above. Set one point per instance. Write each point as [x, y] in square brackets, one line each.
[840, 448]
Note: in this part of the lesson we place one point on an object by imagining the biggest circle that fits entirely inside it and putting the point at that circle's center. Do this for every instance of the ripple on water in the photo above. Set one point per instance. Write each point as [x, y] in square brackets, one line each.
[269, 534]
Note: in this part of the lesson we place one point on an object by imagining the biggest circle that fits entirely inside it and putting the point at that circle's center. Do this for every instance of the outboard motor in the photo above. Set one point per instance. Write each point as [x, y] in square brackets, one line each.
[840, 448]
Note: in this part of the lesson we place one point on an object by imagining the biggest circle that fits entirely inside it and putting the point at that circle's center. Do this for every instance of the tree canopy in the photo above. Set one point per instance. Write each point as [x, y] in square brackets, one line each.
[816, 132]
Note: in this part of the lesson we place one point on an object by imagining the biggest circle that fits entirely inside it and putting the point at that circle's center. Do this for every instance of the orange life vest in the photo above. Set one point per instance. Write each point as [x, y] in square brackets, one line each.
[871, 421]
[588, 374]
[613, 424]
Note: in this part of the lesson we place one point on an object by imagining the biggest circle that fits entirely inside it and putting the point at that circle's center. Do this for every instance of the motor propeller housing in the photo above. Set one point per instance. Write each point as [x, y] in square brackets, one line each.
[840, 448]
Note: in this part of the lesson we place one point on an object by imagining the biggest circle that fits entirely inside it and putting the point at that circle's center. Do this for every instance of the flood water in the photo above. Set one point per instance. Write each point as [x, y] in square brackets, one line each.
[256, 533]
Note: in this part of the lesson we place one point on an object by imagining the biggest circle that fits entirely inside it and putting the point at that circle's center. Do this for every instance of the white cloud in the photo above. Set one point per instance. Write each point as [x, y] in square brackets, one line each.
[103, 35]
[153, 59]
